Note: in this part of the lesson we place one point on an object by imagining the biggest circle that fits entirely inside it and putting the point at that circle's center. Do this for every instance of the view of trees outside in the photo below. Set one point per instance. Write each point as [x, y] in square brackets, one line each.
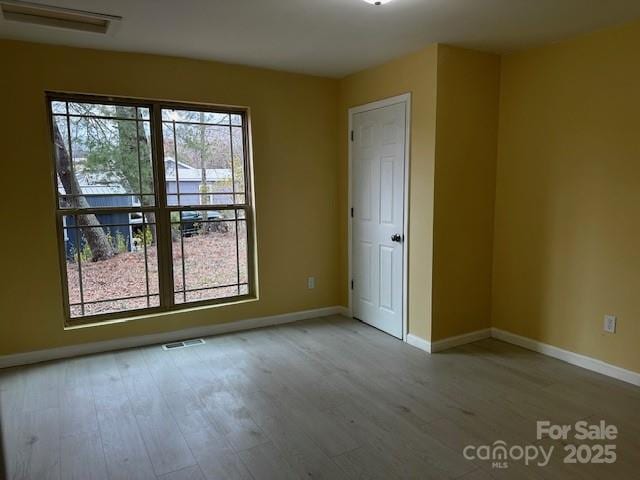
[104, 160]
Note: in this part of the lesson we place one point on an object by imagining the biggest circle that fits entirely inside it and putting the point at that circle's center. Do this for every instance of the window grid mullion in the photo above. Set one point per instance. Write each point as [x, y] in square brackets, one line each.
[175, 160]
[184, 274]
[233, 190]
[146, 259]
[163, 222]
[144, 217]
[79, 262]
[237, 221]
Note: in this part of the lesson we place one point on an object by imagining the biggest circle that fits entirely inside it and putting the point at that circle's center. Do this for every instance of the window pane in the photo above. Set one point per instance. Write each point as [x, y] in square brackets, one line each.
[238, 159]
[59, 107]
[209, 250]
[194, 116]
[145, 163]
[242, 248]
[204, 162]
[112, 262]
[211, 294]
[106, 110]
[103, 162]
[112, 306]
[71, 255]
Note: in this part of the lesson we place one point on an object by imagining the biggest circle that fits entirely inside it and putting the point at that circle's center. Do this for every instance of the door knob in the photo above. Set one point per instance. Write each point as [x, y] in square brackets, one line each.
[396, 238]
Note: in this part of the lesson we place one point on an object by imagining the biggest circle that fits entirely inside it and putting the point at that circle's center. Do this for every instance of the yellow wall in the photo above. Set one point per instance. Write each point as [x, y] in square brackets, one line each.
[567, 228]
[454, 118]
[415, 73]
[564, 228]
[294, 136]
[466, 136]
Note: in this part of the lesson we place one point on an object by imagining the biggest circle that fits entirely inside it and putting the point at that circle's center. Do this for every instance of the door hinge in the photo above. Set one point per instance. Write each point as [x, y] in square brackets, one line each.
[352, 135]
[351, 284]
[351, 212]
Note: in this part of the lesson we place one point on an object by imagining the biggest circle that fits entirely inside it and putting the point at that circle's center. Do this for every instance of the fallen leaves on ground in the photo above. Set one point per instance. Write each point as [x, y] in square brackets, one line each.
[210, 260]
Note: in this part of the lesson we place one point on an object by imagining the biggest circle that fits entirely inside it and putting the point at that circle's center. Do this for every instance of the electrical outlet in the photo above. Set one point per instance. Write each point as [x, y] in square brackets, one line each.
[610, 323]
[311, 282]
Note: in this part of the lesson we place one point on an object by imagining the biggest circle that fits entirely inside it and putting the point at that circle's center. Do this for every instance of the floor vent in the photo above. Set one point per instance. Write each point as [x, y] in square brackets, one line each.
[186, 343]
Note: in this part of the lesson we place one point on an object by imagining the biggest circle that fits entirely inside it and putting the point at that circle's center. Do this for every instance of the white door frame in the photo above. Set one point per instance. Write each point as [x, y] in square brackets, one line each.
[406, 99]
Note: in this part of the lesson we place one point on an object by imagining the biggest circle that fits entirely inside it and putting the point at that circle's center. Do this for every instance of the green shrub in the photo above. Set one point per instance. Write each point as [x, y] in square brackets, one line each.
[145, 236]
[120, 243]
[85, 253]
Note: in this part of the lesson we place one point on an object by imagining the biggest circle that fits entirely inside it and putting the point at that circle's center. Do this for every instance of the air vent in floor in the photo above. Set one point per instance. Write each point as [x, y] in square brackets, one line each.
[185, 343]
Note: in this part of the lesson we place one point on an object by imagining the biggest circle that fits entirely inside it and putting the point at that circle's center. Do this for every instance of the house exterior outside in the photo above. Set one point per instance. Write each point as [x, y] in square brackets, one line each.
[194, 185]
[117, 225]
[188, 181]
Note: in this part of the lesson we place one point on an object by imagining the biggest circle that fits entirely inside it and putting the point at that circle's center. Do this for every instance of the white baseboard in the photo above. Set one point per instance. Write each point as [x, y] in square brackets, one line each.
[567, 356]
[450, 342]
[419, 342]
[344, 311]
[195, 332]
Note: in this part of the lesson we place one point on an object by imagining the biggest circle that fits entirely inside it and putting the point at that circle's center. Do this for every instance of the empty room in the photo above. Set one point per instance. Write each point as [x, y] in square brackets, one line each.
[320, 239]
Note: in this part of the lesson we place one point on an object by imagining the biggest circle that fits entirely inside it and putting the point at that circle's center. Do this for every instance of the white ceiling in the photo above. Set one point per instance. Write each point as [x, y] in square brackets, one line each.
[327, 37]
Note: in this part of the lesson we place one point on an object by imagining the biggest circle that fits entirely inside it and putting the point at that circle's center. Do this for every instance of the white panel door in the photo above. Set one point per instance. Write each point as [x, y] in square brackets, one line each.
[377, 195]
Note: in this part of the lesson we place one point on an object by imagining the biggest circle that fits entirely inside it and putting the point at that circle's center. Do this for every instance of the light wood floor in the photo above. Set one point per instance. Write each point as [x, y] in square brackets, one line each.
[328, 398]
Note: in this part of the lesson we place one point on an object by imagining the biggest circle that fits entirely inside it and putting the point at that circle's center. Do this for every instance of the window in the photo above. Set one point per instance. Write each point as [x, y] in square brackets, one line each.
[153, 205]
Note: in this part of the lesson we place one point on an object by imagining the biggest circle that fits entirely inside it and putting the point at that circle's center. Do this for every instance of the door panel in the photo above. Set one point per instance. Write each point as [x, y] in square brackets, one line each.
[386, 190]
[377, 191]
[365, 268]
[386, 278]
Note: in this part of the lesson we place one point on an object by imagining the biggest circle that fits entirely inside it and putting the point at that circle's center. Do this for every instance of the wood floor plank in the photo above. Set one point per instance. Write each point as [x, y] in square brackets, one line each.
[324, 398]
[76, 373]
[215, 455]
[188, 411]
[163, 439]
[82, 457]
[232, 419]
[300, 451]
[130, 362]
[13, 418]
[103, 370]
[37, 455]
[365, 462]
[375, 427]
[478, 474]
[166, 375]
[267, 463]
[124, 449]
[41, 386]
[165, 445]
[190, 473]
[332, 437]
[77, 411]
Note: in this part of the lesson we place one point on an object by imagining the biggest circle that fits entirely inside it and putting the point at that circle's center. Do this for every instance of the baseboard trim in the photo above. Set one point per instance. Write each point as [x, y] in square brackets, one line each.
[430, 347]
[450, 342]
[419, 342]
[567, 356]
[129, 342]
